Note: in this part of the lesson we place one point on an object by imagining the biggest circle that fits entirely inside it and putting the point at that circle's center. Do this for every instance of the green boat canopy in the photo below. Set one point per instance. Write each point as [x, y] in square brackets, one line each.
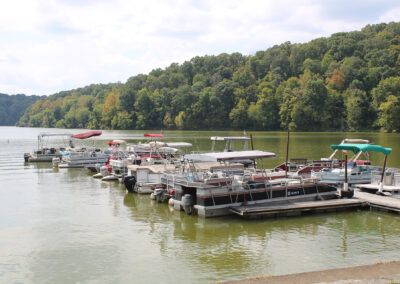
[362, 147]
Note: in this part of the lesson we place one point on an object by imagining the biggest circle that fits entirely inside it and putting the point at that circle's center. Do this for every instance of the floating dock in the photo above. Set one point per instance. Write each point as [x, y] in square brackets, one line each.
[361, 200]
[298, 208]
[382, 203]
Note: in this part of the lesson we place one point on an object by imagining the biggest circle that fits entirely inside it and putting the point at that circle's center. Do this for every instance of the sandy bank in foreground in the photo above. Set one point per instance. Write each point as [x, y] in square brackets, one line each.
[388, 272]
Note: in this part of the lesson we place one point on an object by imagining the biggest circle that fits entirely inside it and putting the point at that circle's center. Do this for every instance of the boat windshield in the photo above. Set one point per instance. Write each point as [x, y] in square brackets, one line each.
[351, 165]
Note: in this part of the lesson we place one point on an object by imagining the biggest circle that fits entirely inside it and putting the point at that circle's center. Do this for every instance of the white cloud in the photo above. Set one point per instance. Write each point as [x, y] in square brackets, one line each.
[50, 46]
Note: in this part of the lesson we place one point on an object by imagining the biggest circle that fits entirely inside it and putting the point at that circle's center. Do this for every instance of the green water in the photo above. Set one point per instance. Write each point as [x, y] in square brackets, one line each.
[63, 226]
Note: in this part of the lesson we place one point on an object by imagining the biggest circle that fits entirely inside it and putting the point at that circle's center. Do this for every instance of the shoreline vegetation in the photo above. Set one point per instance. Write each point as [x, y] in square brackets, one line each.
[13, 107]
[349, 81]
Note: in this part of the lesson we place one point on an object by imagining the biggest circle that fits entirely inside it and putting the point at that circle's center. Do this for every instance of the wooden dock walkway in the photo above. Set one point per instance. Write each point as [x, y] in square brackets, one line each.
[298, 208]
[384, 203]
[361, 200]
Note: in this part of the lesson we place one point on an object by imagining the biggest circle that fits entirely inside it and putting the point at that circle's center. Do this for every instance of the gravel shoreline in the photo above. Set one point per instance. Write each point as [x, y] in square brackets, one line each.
[387, 272]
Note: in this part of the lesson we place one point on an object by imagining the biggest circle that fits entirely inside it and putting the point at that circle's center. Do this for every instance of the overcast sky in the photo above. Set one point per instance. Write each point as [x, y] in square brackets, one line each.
[47, 46]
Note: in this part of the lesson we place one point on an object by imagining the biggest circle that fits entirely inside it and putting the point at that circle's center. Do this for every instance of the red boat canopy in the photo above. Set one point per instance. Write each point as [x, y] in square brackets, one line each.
[86, 135]
[153, 135]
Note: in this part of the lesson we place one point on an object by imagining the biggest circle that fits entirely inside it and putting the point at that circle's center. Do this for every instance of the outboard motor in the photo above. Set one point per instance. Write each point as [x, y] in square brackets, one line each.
[55, 162]
[104, 171]
[130, 183]
[26, 157]
[187, 203]
[159, 194]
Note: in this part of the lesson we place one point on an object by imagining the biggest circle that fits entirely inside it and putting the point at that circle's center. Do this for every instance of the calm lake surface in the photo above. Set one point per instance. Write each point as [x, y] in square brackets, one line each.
[63, 226]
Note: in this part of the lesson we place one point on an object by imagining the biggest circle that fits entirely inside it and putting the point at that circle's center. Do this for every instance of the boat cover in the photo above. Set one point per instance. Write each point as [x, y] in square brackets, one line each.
[86, 135]
[356, 148]
[226, 156]
[230, 138]
[153, 135]
[178, 144]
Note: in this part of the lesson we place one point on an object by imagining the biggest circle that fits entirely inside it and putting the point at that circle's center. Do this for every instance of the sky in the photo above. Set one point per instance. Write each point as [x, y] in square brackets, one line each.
[48, 46]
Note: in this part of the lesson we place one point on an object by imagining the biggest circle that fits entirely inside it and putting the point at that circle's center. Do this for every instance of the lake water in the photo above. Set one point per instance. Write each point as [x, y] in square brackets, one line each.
[63, 226]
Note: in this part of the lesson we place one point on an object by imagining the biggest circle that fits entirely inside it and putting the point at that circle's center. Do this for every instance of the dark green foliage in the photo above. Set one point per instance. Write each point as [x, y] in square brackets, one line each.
[349, 81]
[13, 107]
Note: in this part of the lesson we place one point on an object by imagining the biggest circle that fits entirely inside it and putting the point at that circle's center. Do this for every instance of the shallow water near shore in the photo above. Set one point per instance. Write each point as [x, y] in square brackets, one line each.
[63, 226]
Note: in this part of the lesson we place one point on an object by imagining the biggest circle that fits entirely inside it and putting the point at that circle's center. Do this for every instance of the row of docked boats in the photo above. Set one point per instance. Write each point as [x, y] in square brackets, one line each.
[67, 156]
[214, 183]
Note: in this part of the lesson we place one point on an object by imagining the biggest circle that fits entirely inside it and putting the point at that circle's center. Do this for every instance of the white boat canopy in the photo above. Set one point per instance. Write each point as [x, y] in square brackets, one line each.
[178, 144]
[119, 141]
[158, 144]
[238, 138]
[227, 156]
[54, 134]
[230, 142]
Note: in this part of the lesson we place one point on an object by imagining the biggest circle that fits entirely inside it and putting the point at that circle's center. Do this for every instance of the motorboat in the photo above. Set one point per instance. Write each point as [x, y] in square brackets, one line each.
[46, 153]
[388, 185]
[82, 157]
[144, 167]
[355, 171]
[214, 192]
[304, 167]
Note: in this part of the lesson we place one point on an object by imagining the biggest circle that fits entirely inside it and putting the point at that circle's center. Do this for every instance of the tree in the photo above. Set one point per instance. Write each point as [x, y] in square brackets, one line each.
[353, 68]
[301, 117]
[385, 88]
[389, 116]
[110, 109]
[225, 91]
[336, 81]
[289, 95]
[180, 120]
[244, 77]
[360, 114]
[145, 110]
[238, 115]
[313, 65]
[314, 97]
[82, 117]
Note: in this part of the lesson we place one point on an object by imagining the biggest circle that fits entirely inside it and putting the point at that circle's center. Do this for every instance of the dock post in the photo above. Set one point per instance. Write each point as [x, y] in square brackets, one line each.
[345, 192]
[380, 189]
[287, 152]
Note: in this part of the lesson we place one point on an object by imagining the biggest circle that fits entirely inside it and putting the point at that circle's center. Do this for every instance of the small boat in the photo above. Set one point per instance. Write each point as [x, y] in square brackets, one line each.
[355, 171]
[46, 153]
[304, 167]
[110, 177]
[215, 192]
[83, 157]
[389, 185]
[143, 170]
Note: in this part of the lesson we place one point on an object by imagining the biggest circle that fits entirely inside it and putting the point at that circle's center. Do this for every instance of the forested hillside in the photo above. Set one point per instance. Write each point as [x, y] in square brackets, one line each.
[13, 107]
[349, 81]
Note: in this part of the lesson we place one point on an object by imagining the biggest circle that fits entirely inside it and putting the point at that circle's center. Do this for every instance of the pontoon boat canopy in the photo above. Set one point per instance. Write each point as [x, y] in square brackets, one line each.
[54, 134]
[347, 140]
[86, 135]
[219, 138]
[226, 156]
[153, 135]
[178, 144]
[356, 148]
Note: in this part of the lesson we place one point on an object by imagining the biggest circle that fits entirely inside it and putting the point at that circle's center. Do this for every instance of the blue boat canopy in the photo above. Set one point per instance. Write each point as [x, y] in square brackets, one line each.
[362, 147]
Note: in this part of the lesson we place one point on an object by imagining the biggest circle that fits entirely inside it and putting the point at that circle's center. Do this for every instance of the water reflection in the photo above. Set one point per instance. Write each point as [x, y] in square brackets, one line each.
[62, 226]
[231, 246]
